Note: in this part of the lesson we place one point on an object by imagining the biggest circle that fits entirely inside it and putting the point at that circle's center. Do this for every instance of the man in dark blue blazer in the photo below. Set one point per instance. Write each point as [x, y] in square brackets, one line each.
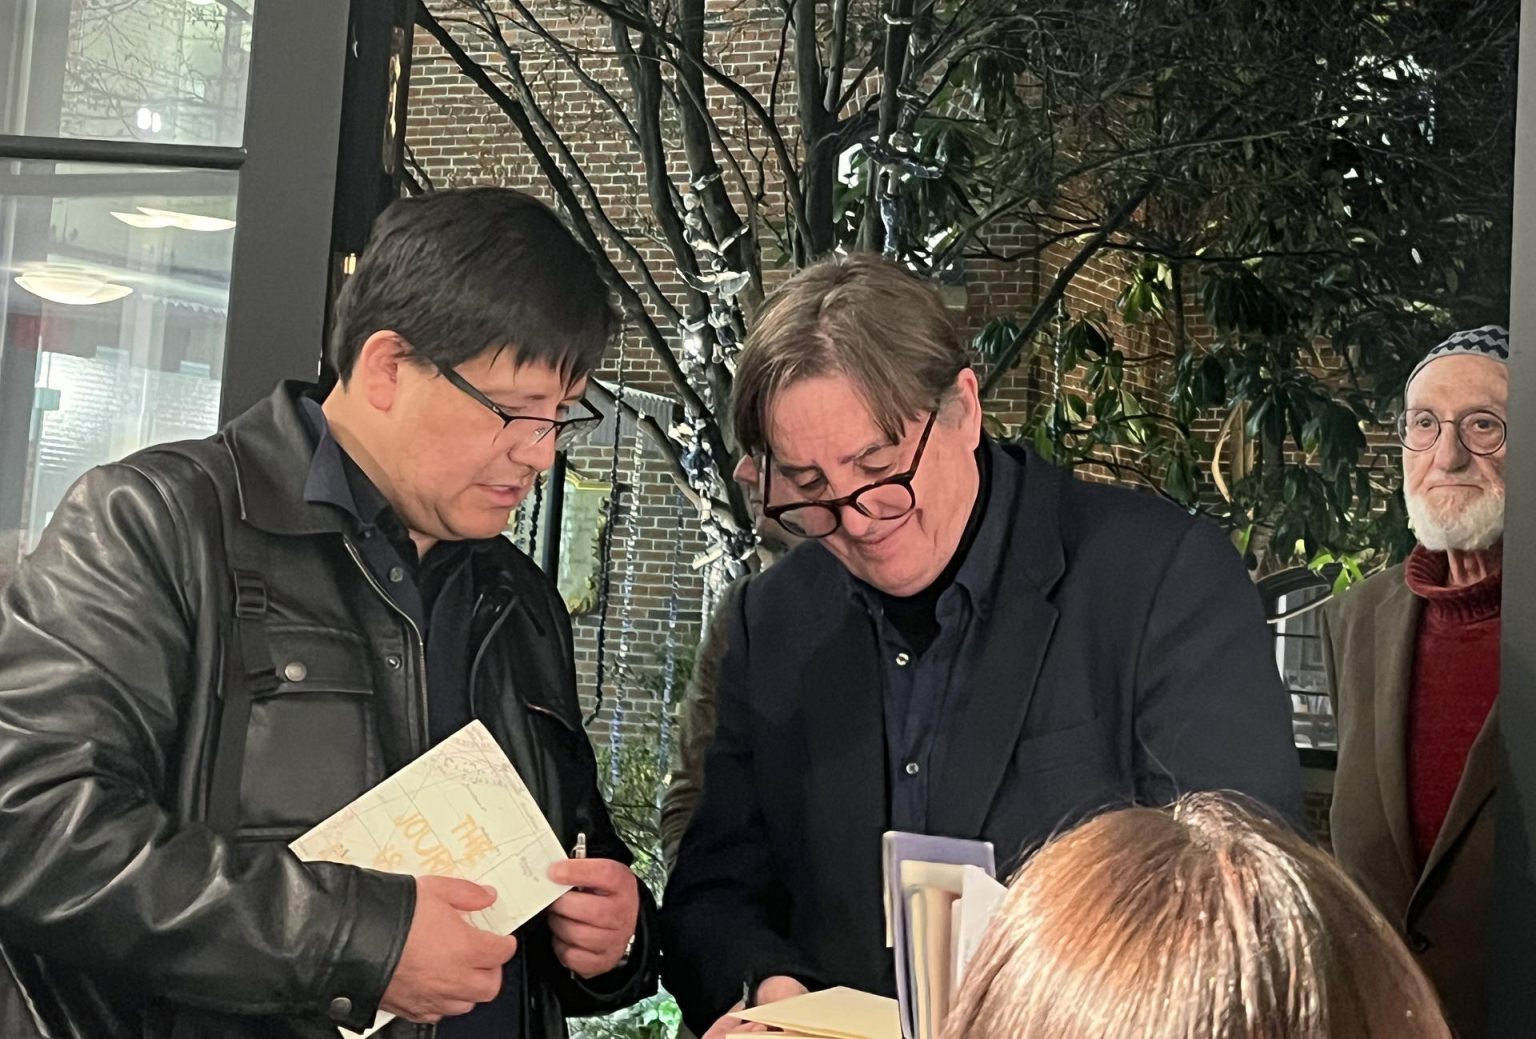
[973, 643]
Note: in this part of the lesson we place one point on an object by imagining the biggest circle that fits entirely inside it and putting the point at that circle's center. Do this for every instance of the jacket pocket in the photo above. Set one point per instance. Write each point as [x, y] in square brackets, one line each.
[1082, 745]
[311, 746]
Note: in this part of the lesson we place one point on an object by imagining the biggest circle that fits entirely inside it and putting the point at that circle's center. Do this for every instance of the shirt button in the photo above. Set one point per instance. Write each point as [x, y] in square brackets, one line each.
[393, 662]
[341, 1008]
[396, 574]
[902, 660]
[295, 671]
[913, 768]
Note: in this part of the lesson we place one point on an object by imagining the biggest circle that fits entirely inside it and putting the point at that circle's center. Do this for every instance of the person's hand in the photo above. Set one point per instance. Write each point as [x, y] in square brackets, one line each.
[448, 964]
[769, 990]
[593, 924]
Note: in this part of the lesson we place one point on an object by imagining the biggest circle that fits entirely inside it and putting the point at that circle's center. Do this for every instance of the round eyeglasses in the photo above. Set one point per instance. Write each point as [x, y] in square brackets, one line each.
[887, 499]
[1480, 432]
[519, 431]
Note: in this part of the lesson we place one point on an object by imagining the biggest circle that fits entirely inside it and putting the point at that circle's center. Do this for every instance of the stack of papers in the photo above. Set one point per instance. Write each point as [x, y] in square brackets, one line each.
[460, 810]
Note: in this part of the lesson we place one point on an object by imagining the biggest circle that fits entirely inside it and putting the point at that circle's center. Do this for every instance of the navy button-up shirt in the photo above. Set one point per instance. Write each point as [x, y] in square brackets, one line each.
[922, 659]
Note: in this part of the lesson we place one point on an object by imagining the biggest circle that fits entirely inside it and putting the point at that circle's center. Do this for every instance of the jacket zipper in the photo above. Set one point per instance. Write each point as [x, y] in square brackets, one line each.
[422, 1031]
[421, 647]
[565, 724]
[474, 667]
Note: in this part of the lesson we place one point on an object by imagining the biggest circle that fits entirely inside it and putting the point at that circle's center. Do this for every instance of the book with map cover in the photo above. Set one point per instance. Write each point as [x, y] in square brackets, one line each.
[460, 810]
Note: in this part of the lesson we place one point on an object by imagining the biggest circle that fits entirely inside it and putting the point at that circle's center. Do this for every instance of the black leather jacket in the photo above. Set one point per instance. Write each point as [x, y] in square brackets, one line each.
[122, 912]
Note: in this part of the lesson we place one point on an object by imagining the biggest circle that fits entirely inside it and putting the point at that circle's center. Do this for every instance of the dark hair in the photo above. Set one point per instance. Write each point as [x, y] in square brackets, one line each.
[457, 273]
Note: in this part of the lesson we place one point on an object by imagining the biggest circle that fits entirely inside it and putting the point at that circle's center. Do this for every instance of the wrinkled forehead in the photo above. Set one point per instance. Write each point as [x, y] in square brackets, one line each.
[827, 415]
[1460, 383]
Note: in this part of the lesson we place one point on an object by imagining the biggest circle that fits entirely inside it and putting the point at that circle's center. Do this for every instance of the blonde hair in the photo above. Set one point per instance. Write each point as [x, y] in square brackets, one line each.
[857, 316]
[1204, 921]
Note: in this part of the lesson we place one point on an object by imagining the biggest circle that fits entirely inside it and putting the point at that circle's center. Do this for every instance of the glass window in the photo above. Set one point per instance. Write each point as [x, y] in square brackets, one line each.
[112, 314]
[1299, 655]
[156, 71]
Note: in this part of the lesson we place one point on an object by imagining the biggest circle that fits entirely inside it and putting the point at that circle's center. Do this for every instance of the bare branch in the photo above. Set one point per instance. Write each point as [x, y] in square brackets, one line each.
[817, 133]
[514, 72]
[747, 98]
[1058, 289]
[633, 305]
[667, 451]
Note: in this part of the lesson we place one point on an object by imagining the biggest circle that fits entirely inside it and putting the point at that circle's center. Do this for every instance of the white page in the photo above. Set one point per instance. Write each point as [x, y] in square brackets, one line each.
[834, 1013]
[460, 810]
[980, 898]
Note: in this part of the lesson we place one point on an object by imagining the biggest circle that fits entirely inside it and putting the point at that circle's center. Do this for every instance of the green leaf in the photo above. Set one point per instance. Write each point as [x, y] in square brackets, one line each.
[1242, 537]
[1044, 446]
[1212, 383]
[995, 338]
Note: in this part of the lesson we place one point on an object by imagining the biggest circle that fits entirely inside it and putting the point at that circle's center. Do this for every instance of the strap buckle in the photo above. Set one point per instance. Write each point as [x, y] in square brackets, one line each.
[250, 595]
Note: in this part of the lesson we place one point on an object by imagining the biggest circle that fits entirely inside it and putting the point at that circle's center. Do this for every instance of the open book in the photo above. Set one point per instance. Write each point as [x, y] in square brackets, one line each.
[460, 810]
[834, 1013]
[941, 894]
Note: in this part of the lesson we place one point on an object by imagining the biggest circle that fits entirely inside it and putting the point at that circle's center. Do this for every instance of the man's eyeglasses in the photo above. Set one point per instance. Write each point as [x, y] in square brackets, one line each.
[887, 499]
[527, 430]
[1480, 432]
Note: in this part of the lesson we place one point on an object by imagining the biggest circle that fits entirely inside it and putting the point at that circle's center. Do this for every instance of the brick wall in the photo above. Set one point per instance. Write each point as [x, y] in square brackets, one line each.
[460, 138]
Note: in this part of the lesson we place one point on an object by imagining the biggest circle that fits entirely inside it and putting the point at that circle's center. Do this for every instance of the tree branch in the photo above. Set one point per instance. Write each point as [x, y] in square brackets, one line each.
[645, 86]
[704, 171]
[898, 31]
[514, 71]
[633, 305]
[747, 98]
[817, 128]
[1058, 290]
[667, 451]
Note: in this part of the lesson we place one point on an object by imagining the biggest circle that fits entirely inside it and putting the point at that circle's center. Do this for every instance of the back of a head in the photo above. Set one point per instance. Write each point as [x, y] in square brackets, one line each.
[1205, 921]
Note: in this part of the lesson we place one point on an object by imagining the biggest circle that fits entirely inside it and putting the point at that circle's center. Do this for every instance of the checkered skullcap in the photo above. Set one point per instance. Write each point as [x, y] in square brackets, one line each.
[1490, 341]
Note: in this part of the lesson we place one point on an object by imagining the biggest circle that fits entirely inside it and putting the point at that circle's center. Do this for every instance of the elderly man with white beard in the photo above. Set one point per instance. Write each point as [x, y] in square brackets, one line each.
[1413, 664]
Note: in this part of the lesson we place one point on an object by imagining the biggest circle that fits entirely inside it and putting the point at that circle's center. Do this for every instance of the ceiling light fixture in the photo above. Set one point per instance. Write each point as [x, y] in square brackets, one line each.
[71, 286]
[157, 218]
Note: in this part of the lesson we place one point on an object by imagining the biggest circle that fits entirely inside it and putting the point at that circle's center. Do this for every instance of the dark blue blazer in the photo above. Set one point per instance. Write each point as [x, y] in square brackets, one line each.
[1124, 659]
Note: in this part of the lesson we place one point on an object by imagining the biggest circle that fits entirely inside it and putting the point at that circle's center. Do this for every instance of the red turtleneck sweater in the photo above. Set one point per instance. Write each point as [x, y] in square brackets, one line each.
[1455, 680]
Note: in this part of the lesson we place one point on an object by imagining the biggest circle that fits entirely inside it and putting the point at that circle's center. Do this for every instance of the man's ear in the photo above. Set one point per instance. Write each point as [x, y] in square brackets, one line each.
[376, 374]
[967, 405]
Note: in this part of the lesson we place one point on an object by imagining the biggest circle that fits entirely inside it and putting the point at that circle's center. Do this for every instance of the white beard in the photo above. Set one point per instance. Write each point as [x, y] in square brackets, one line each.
[1478, 526]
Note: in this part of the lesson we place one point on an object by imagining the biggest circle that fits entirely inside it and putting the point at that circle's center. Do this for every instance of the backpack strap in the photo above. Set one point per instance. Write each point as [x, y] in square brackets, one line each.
[248, 668]
[249, 671]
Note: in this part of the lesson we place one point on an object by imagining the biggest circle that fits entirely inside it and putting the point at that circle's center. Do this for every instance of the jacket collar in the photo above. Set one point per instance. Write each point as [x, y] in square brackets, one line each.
[1478, 779]
[272, 450]
[1010, 645]
[1395, 621]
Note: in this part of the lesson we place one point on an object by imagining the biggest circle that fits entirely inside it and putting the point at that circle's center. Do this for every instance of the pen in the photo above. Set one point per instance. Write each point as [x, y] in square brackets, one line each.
[580, 851]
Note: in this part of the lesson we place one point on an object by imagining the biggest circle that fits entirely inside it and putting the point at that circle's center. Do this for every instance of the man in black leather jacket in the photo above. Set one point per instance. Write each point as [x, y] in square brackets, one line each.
[218, 644]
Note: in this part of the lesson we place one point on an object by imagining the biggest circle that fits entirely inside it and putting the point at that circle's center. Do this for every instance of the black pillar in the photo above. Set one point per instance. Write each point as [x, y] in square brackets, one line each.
[1512, 953]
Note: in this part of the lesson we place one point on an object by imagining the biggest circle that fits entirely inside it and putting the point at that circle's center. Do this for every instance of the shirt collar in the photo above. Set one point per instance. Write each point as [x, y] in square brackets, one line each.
[980, 571]
[335, 479]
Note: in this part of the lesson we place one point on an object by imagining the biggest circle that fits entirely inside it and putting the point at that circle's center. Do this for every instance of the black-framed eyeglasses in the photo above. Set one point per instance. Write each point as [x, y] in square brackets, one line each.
[887, 499]
[534, 429]
[1480, 432]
